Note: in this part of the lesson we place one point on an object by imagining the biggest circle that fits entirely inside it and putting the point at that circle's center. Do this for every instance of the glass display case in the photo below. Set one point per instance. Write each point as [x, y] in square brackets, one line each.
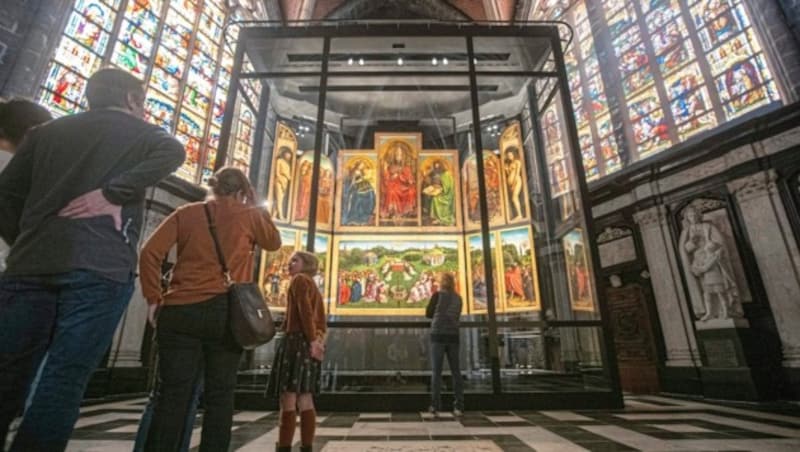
[399, 152]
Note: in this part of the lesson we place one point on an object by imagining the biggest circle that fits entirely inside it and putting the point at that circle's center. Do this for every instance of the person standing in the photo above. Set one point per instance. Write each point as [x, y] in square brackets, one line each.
[445, 310]
[71, 205]
[193, 329]
[17, 116]
[297, 368]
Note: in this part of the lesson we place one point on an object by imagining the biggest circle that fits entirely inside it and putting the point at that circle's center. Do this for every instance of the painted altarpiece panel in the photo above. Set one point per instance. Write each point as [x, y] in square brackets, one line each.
[520, 282]
[514, 173]
[392, 274]
[440, 191]
[357, 191]
[273, 276]
[577, 269]
[494, 191]
[283, 163]
[398, 182]
[322, 249]
[476, 274]
[303, 190]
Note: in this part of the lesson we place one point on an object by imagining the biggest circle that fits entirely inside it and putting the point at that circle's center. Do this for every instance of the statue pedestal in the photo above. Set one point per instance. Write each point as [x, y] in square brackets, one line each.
[734, 363]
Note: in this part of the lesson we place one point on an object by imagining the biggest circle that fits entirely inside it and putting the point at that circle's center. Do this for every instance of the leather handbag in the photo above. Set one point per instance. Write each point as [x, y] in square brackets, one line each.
[249, 317]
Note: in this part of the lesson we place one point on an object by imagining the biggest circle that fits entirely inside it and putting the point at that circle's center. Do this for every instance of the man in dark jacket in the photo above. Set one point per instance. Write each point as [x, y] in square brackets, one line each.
[71, 205]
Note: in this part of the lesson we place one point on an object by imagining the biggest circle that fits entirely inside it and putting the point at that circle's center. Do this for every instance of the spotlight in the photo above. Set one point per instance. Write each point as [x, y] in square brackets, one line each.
[350, 61]
[444, 61]
[400, 61]
[434, 61]
[360, 61]
[475, 61]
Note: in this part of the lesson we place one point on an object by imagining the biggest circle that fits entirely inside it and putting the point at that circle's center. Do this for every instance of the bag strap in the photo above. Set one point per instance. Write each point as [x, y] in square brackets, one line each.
[212, 228]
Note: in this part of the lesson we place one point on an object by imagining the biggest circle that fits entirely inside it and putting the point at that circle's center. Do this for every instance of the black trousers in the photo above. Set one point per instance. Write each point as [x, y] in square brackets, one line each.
[194, 338]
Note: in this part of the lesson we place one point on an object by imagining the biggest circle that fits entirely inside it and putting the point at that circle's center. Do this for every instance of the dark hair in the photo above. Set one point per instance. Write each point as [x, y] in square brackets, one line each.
[229, 181]
[17, 116]
[110, 87]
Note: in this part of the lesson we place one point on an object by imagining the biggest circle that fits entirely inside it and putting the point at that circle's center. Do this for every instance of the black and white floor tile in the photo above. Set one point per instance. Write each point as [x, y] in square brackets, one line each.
[647, 423]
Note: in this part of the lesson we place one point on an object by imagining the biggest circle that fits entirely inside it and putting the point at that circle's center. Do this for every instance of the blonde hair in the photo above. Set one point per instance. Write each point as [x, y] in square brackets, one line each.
[229, 181]
[447, 282]
[310, 262]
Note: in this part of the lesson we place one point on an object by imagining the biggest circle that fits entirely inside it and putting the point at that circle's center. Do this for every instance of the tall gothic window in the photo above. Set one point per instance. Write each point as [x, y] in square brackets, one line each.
[674, 69]
[177, 48]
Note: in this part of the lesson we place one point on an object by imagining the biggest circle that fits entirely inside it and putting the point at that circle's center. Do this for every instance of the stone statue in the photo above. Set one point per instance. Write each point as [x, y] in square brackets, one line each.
[708, 271]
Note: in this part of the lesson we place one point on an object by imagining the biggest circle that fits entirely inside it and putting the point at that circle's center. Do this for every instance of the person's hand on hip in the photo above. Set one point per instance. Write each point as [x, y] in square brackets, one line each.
[90, 205]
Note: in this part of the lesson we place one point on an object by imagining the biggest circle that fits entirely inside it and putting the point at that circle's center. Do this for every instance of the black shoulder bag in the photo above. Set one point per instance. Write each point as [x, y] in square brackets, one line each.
[250, 320]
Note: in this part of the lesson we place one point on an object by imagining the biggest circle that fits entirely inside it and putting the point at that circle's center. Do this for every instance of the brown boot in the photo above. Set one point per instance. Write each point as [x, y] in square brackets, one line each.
[305, 448]
[282, 448]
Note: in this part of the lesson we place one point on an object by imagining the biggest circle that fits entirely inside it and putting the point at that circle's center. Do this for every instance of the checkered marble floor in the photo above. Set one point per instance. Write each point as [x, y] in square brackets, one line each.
[647, 423]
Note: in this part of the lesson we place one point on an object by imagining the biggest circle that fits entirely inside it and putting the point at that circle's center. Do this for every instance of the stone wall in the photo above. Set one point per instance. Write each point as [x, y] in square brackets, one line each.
[27, 40]
[744, 184]
[791, 9]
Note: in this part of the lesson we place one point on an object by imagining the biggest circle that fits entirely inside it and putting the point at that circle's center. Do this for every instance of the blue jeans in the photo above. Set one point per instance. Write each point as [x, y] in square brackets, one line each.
[438, 352]
[70, 316]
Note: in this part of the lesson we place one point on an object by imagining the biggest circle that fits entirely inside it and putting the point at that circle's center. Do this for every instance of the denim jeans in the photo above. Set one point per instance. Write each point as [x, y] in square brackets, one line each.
[190, 338]
[147, 419]
[70, 316]
[438, 352]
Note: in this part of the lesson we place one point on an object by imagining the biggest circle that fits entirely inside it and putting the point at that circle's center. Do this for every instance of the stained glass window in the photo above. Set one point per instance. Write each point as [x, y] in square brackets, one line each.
[598, 145]
[668, 93]
[675, 69]
[173, 45]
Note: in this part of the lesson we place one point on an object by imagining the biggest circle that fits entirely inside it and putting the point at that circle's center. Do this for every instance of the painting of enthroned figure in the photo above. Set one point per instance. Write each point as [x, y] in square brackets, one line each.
[399, 203]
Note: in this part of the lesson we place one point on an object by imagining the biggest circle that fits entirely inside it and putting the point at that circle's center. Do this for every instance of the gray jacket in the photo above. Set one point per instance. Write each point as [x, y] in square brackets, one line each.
[445, 310]
[65, 158]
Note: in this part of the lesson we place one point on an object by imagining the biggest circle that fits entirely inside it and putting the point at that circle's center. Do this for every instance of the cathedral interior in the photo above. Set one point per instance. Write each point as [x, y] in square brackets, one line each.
[631, 225]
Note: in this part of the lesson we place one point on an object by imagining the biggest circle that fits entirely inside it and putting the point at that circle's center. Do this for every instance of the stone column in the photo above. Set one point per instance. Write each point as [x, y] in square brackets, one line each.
[776, 253]
[673, 309]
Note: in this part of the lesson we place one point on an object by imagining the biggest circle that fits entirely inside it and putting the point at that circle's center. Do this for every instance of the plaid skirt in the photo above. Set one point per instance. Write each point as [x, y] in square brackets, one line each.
[293, 369]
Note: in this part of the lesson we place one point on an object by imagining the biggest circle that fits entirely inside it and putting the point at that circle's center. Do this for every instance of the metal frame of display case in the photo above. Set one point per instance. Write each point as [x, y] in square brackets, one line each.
[497, 399]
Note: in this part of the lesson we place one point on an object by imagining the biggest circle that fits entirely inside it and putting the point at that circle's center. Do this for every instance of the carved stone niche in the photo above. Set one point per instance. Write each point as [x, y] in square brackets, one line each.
[711, 264]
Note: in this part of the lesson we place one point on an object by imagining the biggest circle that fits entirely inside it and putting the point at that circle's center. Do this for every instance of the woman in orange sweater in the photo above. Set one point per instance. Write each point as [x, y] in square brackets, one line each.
[192, 328]
[298, 360]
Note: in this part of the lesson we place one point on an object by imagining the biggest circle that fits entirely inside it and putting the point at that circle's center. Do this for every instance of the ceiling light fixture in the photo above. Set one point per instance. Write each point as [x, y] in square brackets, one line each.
[350, 61]
[360, 61]
[400, 61]
[444, 61]
[434, 61]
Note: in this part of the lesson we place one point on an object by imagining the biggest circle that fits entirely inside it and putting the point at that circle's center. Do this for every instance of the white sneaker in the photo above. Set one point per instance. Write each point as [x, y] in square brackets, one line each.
[457, 413]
